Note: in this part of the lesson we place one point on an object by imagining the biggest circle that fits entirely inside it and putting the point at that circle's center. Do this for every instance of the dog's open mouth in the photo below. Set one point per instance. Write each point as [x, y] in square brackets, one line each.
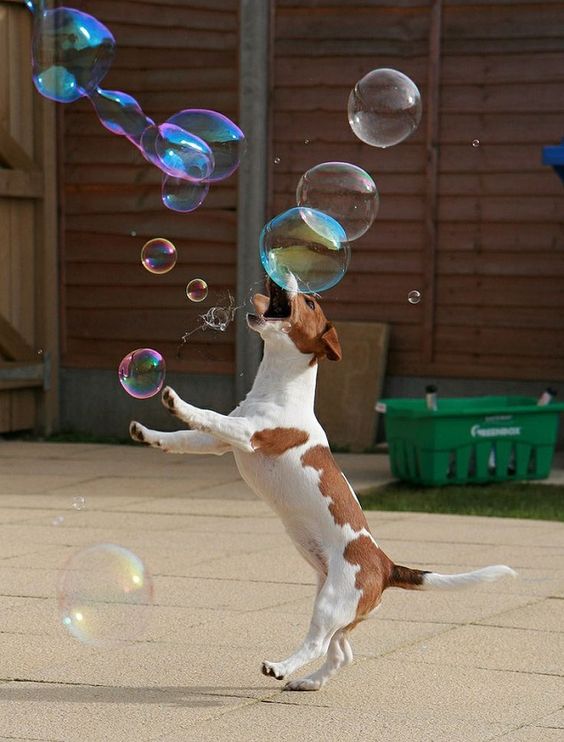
[279, 306]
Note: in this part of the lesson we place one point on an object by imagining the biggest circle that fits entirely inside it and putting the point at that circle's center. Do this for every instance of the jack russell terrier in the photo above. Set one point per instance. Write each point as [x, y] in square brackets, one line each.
[282, 453]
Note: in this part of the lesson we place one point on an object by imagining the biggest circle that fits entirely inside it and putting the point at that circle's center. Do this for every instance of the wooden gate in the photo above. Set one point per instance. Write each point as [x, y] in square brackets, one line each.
[28, 250]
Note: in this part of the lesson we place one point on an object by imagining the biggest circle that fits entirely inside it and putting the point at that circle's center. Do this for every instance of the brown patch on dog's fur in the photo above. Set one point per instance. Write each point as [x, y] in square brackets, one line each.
[373, 576]
[276, 441]
[343, 506]
[409, 579]
[310, 331]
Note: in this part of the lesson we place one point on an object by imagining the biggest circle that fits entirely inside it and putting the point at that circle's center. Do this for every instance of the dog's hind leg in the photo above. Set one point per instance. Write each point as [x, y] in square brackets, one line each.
[335, 608]
[182, 441]
[339, 654]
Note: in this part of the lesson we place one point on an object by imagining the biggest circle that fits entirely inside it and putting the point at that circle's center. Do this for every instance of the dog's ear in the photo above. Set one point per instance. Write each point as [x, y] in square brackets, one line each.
[261, 303]
[331, 343]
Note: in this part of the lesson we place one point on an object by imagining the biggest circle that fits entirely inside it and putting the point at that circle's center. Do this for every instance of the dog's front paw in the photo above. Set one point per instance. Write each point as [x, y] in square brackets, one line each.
[274, 669]
[136, 431]
[303, 684]
[170, 399]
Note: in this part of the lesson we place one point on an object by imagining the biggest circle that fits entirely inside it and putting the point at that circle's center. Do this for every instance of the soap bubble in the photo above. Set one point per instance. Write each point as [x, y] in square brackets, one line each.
[414, 297]
[158, 255]
[384, 108]
[104, 594]
[224, 138]
[58, 520]
[343, 191]
[79, 503]
[217, 318]
[142, 373]
[476, 143]
[183, 195]
[71, 53]
[307, 245]
[148, 145]
[277, 161]
[120, 113]
[197, 290]
[182, 154]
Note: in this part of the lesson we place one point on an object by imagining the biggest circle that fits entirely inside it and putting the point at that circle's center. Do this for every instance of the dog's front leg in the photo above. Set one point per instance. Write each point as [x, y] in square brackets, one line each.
[235, 431]
[182, 441]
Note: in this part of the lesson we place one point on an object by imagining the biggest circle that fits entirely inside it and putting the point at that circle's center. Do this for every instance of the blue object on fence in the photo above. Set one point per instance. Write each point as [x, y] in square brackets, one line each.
[554, 155]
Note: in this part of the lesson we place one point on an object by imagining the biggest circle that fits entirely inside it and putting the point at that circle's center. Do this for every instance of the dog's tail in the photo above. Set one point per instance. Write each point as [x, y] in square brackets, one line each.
[417, 579]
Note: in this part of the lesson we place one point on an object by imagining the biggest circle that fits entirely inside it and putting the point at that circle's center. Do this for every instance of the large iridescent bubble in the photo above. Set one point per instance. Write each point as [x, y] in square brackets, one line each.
[384, 108]
[120, 113]
[341, 190]
[225, 139]
[142, 373]
[71, 53]
[104, 595]
[182, 195]
[307, 246]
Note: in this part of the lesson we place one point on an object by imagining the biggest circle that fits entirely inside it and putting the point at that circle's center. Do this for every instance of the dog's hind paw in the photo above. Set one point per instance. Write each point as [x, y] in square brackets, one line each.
[274, 669]
[303, 684]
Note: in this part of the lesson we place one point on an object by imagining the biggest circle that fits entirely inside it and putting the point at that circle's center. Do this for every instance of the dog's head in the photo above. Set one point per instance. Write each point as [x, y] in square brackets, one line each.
[286, 317]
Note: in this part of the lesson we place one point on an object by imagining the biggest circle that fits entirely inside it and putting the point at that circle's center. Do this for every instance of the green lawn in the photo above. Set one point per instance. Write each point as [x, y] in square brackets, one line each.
[507, 500]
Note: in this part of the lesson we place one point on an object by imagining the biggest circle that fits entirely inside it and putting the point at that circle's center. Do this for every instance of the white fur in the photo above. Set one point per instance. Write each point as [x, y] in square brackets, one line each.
[283, 396]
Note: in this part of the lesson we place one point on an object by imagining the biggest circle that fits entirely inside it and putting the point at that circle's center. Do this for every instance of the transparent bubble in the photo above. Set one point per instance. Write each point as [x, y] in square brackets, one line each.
[217, 318]
[224, 138]
[476, 143]
[277, 161]
[120, 113]
[104, 594]
[148, 145]
[343, 191]
[58, 520]
[197, 290]
[414, 297]
[142, 373]
[182, 154]
[182, 195]
[384, 108]
[71, 53]
[307, 246]
[79, 503]
[158, 255]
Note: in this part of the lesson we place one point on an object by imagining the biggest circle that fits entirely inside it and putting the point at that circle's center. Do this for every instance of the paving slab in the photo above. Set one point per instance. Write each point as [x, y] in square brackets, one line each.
[230, 591]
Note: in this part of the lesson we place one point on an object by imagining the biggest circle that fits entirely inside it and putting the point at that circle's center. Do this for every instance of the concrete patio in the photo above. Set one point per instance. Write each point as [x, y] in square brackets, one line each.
[230, 591]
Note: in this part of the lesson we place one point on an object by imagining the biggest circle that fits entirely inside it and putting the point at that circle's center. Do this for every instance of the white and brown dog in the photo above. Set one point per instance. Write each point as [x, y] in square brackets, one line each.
[283, 455]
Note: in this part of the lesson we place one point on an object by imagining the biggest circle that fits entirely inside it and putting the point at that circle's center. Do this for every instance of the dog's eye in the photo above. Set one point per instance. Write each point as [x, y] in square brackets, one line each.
[310, 303]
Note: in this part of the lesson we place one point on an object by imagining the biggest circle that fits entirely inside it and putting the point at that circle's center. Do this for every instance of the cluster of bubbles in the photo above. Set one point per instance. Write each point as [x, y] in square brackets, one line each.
[71, 54]
[103, 595]
[337, 202]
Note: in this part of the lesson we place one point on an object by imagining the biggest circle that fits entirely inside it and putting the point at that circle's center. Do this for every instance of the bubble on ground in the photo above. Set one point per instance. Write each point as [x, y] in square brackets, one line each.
[104, 595]
[79, 502]
[142, 372]
[306, 249]
[384, 108]
[344, 191]
[158, 255]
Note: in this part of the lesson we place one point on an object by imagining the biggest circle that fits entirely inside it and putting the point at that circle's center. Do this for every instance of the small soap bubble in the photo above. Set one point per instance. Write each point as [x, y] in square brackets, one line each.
[277, 161]
[414, 297]
[71, 53]
[341, 190]
[104, 595]
[133, 233]
[158, 255]
[79, 503]
[306, 246]
[182, 195]
[182, 154]
[58, 520]
[476, 143]
[142, 372]
[224, 138]
[307, 141]
[384, 108]
[197, 290]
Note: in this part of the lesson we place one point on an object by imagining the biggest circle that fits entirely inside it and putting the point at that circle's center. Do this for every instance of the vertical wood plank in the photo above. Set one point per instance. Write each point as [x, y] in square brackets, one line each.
[431, 177]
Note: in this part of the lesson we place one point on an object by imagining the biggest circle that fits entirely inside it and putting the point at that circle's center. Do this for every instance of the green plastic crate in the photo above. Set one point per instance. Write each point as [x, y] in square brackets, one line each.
[473, 439]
